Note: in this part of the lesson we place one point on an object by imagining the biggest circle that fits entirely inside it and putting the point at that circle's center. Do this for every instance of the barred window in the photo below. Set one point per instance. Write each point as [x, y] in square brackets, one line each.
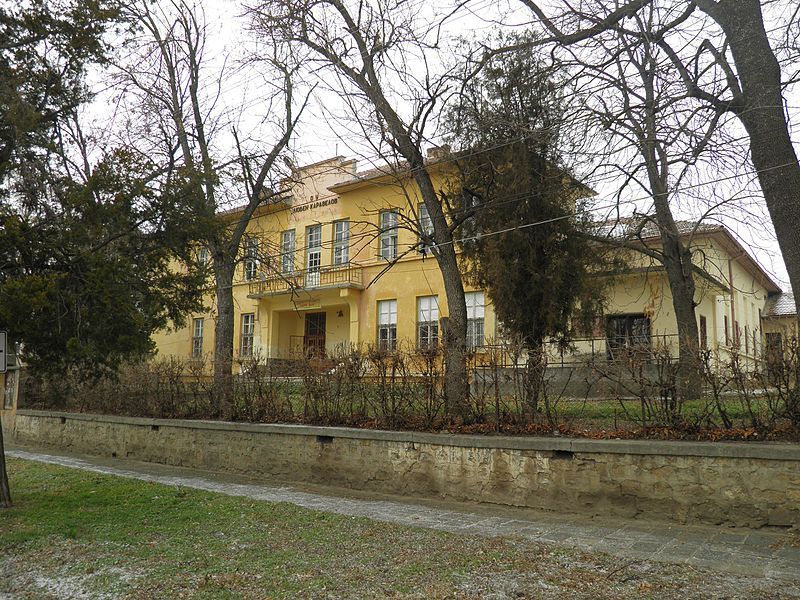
[387, 324]
[287, 251]
[427, 322]
[248, 329]
[341, 242]
[197, 338]
[475, 316]
[388, 234]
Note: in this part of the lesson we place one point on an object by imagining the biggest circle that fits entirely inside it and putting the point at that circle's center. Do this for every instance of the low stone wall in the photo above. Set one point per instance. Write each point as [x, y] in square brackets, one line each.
[751, 484]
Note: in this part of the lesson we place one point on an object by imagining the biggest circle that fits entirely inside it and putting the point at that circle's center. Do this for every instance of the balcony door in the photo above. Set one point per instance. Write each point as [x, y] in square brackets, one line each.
[314, 338]
[313, 254]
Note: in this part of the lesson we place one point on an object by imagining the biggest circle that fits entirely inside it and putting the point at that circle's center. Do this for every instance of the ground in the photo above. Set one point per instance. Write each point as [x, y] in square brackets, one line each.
[83, 533]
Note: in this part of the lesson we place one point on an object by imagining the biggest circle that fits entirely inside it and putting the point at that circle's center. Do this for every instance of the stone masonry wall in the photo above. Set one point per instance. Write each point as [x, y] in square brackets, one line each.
[751, 484]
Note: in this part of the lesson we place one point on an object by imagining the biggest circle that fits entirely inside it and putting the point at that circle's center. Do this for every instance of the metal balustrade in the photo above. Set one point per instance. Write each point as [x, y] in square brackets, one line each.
[338, 276]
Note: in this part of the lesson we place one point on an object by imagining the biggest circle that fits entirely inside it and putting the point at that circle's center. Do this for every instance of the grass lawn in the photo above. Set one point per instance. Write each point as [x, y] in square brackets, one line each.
[75, 534]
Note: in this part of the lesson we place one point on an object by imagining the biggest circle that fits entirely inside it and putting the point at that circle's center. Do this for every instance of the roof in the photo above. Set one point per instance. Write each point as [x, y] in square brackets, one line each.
[627, 227]
[780, 305]
[632, 229]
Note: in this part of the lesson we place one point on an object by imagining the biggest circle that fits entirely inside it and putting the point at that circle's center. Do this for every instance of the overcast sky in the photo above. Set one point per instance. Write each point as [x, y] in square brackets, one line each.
[326, 130]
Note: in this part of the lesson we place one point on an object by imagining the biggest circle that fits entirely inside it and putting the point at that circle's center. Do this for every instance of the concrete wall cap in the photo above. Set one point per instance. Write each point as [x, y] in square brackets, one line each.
[757, 450]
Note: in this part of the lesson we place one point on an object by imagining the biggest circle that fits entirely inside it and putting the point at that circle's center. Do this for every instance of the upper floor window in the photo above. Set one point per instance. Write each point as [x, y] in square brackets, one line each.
[313, 254]
[250, 258]
[287, 251]
[427, 322]
[475, 316]
[425, 224]
[388, 234]
[197, 338]
[387, 324]
[203, 256]
[248, 330]
[341, 242]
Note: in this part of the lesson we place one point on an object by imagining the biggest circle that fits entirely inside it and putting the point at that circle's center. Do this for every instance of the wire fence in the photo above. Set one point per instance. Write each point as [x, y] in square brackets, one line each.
[612, 390]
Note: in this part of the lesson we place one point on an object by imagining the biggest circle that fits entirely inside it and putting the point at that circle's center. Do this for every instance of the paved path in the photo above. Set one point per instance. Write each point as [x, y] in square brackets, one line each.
[770, 553]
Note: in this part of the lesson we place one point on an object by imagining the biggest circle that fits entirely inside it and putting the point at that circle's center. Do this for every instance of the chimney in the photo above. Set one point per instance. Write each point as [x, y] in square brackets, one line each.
[438, 152]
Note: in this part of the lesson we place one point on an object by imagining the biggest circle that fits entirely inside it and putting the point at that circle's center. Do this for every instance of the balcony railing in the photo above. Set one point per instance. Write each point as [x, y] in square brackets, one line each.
[339, 276]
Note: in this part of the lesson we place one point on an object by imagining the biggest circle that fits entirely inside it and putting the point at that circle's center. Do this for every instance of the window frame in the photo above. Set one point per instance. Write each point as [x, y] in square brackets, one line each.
[197, 339]
[341, 243]
[250, 258]
[425, 225]
[313, 235]
[387, 325]
[288, 247]
[247, 334]
[427, 322]
[388, 234]
[472, 321]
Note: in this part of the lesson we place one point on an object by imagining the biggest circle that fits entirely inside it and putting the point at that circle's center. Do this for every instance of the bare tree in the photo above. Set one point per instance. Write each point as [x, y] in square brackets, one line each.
[657, 140]
[366, 45]
[734, 70]
[178, 90]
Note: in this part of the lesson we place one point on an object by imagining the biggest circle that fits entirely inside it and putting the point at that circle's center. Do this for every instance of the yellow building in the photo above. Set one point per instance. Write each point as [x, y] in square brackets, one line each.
[317, 274]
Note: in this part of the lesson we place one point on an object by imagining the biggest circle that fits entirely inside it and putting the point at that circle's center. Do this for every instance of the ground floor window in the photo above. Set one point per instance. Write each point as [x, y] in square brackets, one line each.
[627, 334]
[387, 324]
[248, 329]
[475, 316]
[197, 338]
[427, 322]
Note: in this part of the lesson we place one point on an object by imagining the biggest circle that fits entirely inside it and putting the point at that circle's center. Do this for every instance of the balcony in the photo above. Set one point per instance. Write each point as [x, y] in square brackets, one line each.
[339, 276]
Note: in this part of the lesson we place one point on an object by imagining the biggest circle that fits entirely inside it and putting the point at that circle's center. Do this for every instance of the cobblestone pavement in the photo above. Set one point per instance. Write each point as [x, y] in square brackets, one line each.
[763, 552]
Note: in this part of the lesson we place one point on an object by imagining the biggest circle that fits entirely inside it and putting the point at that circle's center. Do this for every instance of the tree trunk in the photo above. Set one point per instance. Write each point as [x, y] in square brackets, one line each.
[761, 110]
[456, 381]
[223, 336]
[534, 377]
[5, 490]
[678, 264]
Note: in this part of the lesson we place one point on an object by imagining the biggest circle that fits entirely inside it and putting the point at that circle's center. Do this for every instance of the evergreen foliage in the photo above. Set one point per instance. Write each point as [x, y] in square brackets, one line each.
[538, 269]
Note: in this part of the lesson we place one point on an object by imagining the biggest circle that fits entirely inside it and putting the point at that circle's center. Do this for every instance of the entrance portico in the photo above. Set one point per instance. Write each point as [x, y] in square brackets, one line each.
[310, 321]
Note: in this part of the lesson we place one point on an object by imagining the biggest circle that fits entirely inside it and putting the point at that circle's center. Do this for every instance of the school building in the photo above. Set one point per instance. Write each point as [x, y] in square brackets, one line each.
[335, 261]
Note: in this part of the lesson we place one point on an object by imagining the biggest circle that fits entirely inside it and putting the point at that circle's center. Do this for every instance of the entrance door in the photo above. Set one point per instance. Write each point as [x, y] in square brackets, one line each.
[314, 340]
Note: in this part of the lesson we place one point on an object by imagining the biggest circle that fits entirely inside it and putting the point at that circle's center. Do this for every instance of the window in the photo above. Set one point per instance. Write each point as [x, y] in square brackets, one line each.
[341, 242]
[388, 233]
[427, 322]
[287, 251]
[736, 334]
[727, 332]
[627, 334]
[197, 338]
[313, 254]
[248, 328]
[469, 227]
[703, 333]
[475, 311]
[250, 258]
[387, 324]
[203, 256]
[425, 225]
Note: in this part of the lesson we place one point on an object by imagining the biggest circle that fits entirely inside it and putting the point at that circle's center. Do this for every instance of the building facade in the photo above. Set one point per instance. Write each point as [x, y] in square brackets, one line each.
[337, 262]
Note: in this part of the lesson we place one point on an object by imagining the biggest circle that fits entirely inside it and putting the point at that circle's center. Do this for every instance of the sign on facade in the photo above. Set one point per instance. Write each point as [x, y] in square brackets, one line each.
[3, 353]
